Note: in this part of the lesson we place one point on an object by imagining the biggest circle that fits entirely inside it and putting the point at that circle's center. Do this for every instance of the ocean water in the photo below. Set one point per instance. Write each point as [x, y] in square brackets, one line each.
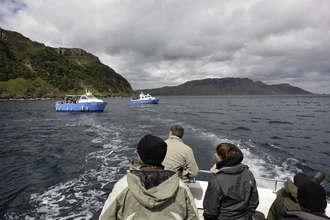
[58, 165]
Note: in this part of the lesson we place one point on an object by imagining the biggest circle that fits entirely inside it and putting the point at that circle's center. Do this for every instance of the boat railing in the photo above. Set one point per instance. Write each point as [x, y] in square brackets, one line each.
[276, 181]
[66, 102]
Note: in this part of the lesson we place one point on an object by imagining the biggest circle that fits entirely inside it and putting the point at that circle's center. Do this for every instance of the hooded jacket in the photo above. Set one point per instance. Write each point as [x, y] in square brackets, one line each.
[150, 195]
[232, 192]
[286, 199]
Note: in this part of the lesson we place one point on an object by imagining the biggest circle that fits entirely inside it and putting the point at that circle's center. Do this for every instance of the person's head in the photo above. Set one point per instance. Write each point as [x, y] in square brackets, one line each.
[312, 197]
[177, 130]
[225, 150]
[151, 150]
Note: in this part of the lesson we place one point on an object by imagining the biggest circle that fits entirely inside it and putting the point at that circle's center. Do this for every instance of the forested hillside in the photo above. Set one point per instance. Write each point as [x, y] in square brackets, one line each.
[29, 69]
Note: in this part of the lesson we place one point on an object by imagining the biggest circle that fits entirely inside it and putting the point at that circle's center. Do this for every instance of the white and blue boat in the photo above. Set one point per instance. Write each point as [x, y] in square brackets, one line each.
[144, 99]
[82, 103]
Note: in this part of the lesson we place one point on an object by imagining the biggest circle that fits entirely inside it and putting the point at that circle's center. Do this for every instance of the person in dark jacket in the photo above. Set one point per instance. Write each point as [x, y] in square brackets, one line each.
[232, 191]
[313, 202]
[286, 198]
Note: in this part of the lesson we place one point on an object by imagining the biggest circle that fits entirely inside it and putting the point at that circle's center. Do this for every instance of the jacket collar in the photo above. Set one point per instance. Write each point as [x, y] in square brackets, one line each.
[151, 168]
[173, 137]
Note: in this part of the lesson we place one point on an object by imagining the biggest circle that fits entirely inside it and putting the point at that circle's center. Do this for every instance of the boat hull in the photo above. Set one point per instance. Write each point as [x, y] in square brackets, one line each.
[81, 107]
[151, 101]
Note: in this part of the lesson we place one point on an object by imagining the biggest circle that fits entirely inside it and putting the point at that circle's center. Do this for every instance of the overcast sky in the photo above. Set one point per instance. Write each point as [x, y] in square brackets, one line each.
[156, 43]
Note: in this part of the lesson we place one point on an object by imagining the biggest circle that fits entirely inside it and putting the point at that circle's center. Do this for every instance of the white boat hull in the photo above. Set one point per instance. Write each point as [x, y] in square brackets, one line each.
[80, 107]
[147, 101]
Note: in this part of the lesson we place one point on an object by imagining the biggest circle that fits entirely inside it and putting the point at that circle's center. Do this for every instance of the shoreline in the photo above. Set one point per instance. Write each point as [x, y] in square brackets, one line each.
[25, 99]
[48, 98]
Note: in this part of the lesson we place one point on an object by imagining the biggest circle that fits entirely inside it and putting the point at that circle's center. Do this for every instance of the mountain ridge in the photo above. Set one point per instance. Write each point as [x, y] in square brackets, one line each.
[226, 86]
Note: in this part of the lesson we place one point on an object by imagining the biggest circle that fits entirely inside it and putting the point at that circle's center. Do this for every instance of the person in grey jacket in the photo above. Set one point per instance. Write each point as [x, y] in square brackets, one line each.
[150, 192]
[179, 156]
[232, 191]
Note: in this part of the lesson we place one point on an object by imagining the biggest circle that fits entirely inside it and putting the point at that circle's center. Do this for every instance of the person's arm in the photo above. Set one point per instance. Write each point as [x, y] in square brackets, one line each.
[272, 211]
[214, 169]
[112, 211]
[191, 165]
[254, 198]
[211, 202]
[192, 212]
[277, 207]
[118, 188]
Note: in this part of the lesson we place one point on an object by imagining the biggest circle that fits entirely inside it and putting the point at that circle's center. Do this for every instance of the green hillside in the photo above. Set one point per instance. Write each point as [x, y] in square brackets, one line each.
[30, 69]
[226, 86]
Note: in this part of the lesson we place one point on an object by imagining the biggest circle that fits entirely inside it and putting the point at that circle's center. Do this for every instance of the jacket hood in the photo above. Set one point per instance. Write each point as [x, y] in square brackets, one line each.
[291, 189]
[157, 195]
[230, 161]
[233, 169]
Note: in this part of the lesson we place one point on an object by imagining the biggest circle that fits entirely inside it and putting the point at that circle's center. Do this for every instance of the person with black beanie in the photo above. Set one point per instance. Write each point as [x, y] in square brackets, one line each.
[286, 197]
[150, 192]
[312, 200]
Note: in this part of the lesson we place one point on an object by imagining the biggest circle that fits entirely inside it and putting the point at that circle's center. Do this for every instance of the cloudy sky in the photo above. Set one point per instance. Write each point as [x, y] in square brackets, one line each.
[155, 43]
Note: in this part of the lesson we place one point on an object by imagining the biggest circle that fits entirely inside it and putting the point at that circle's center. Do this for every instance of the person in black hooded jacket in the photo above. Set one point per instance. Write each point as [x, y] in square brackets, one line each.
[232, 191]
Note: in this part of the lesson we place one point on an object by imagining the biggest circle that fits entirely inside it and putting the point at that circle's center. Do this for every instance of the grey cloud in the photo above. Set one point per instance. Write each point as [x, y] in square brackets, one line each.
[166, 43]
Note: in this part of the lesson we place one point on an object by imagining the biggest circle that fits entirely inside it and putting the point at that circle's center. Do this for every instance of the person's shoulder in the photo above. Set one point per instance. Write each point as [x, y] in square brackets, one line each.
[122, 183]
[290, 186]
[245, 169]
[177, 142]
[218, 177]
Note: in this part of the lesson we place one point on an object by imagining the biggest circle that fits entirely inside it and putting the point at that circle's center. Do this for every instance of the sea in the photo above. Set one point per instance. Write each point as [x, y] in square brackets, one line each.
[63, 165]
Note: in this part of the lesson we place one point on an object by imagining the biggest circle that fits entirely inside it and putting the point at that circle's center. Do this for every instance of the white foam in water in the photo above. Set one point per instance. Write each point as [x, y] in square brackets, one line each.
[79, 198]
[259, 166]
[79, 193]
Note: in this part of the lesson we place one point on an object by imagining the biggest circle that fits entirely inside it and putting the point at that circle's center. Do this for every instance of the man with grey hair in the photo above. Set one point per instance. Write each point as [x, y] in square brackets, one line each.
[179, 156]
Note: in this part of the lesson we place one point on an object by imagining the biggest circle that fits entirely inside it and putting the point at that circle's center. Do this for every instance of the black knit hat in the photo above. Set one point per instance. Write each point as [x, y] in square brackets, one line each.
[312, 196]
[152, 149]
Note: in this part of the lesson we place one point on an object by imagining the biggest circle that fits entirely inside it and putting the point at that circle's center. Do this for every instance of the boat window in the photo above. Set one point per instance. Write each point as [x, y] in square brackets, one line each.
[83, 97]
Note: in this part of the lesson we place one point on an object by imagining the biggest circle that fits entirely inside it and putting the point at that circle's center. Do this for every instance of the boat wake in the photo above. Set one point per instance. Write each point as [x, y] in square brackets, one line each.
[84, 196]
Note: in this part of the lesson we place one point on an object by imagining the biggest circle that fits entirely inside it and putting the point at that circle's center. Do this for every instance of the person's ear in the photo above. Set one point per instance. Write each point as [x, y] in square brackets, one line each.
[140, 160]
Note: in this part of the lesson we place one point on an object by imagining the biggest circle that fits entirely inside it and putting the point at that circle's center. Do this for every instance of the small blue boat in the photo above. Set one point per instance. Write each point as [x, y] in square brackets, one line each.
[144, 99]
[83, 103]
